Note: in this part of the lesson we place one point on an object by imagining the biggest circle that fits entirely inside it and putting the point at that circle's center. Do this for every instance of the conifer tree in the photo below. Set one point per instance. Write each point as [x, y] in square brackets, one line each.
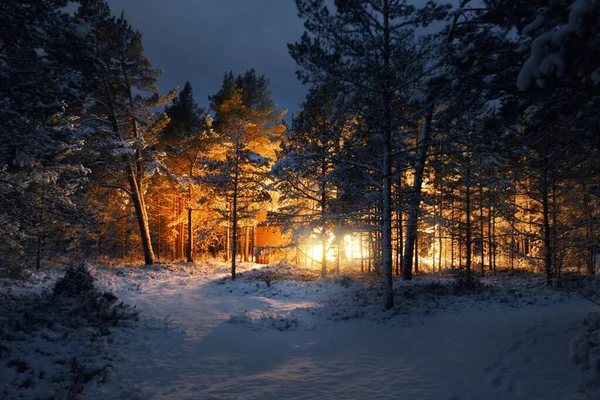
[305, 170]
[124, 120]
[186, 139]
[247, 127]
[43, 52]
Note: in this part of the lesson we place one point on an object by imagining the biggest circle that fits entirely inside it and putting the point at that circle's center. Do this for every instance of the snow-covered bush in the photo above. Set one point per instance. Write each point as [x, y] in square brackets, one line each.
[54, 344]
[99, 308]
[462, 285]
[585, 347]
[77, 281]
[343, 280]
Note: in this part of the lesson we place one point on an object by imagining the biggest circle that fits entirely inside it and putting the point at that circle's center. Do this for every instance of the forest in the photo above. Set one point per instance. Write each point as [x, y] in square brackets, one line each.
[435, 139]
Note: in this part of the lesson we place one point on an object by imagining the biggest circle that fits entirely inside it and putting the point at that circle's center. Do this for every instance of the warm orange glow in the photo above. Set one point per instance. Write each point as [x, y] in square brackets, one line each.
[352, 246]
[316, 253]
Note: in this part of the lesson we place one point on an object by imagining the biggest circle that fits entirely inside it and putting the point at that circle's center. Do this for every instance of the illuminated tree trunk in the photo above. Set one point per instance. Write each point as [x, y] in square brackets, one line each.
[158, 216]
[173, 239]
[452, 234]
[253, 244]
[123, 232]
[468, 228]
[547, 235]
[323, 206]
[227, 236]
[491, 240]
[481, 228]
[362, 256]
[371, 251]
[180, 227]
[417, 249]
[234, 210]
[190, 226]
[415, 201]
[399, 233]
[440, 234]
[142, 217]
[555, 262]
[190, 246]
[135, 175]
[494, 244]
[386, 228]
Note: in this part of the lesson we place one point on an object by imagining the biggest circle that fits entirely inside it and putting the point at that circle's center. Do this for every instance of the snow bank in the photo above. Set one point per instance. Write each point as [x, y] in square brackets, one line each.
[584, 349]
[54, 345]
[260, 320]
[316, 302]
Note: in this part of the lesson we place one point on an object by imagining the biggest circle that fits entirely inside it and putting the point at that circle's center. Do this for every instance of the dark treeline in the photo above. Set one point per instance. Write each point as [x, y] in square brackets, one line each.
[432, 137]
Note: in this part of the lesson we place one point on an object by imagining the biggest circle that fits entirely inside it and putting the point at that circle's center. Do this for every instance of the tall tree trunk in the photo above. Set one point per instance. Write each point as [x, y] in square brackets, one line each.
[415, 201]
[468, 233]
[546, 228]
[555, 261]
[481, 228]
[494, 245]
[40, 238]
[546, 232]
[323, 206]
[440, 234]
[371, 251]
[123, 232]
[386, 221]
[181, 227]
[142, 217]
[228, 232]
[190, 246]
[135, 172]
[452, 234]
[190, 227]
[133, 169]
[490, 233]
[362, 257]
[158, 215]
[234, 210]
[399, 233]
[254, 244]
[417, 250]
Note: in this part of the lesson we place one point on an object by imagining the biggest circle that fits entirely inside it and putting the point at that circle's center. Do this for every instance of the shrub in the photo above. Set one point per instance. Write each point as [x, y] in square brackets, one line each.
[77, 281]
[462, 285]
[99, 308]
[343, 280]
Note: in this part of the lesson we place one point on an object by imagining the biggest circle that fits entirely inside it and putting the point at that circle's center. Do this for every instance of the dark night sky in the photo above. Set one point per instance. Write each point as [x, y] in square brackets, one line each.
[198, 40]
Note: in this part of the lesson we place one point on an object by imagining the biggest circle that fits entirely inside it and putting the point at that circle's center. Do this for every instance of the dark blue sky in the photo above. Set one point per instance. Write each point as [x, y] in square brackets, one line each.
[198, 40]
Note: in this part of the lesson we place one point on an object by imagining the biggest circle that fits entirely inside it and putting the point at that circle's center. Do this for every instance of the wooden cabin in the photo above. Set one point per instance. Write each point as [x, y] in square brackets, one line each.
[267, 241]
[261, 243]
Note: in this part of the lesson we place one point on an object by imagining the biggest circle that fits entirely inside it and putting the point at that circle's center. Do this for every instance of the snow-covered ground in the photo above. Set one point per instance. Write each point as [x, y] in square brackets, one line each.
[281, 333]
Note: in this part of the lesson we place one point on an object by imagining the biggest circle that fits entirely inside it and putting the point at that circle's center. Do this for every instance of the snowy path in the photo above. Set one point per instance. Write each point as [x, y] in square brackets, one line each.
[513, 354]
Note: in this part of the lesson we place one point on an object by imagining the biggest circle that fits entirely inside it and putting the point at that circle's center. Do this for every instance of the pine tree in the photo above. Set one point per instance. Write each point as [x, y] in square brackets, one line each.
[304, 172]
[247, 127]
[124, 122]
[42, 54]
[186, 139]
